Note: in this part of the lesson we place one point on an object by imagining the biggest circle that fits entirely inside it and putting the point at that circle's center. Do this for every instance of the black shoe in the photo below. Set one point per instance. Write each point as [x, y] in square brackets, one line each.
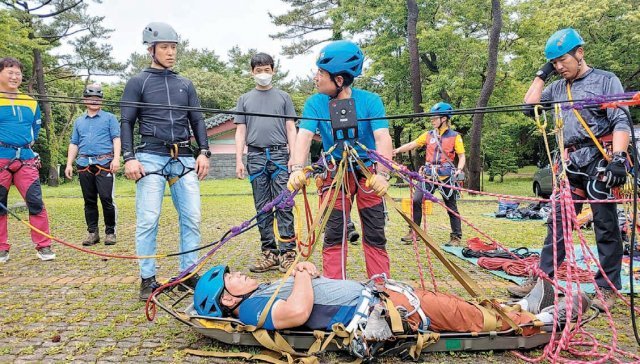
[147, 285]
[352, 235]
[191, 283]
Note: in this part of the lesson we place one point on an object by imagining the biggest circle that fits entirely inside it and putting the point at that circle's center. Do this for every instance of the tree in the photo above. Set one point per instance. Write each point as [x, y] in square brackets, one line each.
[305, 18]
[49, 22]
[488, 85]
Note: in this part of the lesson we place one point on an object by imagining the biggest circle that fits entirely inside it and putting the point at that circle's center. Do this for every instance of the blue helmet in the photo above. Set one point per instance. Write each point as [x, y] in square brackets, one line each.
[206, 297]
[562, 42]
[341, 56]
[442, 109]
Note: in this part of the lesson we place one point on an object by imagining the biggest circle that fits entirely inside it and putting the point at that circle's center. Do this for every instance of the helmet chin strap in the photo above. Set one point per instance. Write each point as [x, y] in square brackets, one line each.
[579, 66]
[229, 310]
[155, 59]
[338, 88]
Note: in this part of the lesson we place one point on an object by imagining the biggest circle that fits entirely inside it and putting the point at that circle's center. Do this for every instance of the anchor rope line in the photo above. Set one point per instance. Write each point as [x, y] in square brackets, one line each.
[621, 99]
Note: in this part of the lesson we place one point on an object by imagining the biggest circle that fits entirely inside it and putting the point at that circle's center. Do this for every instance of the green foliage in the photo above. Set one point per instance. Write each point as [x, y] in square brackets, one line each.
[499, 150]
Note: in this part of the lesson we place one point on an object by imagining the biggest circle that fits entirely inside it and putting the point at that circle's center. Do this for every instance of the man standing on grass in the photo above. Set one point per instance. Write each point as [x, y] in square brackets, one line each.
[95, 141]
[19, 127]
[165, 154]
[268, 140]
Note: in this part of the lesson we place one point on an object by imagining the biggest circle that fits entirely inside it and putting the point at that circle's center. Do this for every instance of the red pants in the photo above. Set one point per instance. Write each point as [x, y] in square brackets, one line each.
[26, 179]
[450, 313]
[371, 210]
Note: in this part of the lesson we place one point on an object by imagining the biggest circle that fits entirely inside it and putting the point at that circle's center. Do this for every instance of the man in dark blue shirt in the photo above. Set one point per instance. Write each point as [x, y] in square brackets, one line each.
[95, 141]
[165, 154]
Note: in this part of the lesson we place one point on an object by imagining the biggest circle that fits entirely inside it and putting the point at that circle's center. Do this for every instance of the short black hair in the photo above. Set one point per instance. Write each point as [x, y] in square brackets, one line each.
[7, 62]
[261, 59]
[346, 77]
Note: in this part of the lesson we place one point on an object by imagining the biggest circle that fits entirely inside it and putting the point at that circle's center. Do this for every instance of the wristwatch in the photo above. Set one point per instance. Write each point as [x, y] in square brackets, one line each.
[619, 157]
[205, 152]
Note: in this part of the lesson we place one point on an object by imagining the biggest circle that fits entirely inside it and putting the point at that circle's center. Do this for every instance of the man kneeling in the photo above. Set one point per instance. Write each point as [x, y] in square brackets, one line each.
[317, 303]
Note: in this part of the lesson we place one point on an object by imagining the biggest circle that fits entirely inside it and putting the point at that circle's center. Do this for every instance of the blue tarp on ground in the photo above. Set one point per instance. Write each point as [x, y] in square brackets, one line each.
[587, 287]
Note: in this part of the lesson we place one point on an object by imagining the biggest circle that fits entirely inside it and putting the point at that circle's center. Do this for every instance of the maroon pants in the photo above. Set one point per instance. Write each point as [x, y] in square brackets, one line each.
[26, 179]
[371, 210]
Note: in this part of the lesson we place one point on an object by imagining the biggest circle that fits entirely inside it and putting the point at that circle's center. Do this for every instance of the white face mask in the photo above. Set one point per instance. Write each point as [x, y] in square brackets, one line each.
[263, 79]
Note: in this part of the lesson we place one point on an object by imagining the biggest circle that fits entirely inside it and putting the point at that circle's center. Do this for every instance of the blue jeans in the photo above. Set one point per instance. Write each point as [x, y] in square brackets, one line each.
[185, 194]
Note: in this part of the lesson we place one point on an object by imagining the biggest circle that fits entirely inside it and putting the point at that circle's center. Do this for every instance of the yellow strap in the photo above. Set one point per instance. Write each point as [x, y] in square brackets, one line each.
[489, 320]
[586, 127]
[394, 316]
[423, 341]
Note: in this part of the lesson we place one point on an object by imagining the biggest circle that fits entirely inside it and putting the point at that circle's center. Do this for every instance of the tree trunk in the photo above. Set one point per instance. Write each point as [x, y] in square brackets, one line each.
[475, 163]
[414, 57]
[46, 117]
[414, 69]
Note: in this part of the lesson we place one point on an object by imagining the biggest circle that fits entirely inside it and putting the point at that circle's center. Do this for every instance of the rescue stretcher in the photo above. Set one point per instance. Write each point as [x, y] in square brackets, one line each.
[230, 331]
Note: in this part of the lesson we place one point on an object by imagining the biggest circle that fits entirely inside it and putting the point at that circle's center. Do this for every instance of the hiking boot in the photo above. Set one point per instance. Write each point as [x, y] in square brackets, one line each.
[524, 289]
[110, 239]
[608, 299]
[91, 239]
[4, 256]
[562, 307]
[352, 234]
[46, 254]
[147, 285]
[541, 296]
[286, 259]
[190, 283]
[268, 261]
[407, 238]
[454, 240]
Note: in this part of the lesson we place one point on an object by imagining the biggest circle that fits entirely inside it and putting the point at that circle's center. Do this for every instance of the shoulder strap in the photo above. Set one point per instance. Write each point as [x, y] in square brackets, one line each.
[586, 127]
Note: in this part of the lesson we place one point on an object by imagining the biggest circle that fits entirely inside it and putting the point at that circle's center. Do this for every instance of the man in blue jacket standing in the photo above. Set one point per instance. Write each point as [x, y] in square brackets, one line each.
[95, 141]
[165, 153]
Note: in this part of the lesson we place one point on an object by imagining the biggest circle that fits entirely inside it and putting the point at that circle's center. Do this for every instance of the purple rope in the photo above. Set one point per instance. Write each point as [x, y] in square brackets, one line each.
[405, 174]
[597, 100]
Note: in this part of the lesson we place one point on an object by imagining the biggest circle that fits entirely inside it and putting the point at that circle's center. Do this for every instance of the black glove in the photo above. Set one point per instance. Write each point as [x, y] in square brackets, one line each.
[616, 171]
[546, 71]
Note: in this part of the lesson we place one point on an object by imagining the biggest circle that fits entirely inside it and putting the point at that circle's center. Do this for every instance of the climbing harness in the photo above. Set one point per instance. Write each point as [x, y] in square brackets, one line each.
[174, 153]
[9, 166]
[267, 152]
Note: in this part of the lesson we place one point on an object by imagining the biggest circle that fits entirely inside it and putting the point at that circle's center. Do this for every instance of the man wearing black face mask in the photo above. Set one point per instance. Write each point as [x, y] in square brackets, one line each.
[590, 135]
[268, 141]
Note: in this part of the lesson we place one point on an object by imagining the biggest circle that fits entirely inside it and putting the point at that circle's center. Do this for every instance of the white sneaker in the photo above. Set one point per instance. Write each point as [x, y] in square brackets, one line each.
[46, 254]
[4, 256]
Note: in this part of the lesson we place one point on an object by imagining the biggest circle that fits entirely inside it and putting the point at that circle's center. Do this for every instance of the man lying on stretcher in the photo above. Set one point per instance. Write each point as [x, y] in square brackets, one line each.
[317, 303]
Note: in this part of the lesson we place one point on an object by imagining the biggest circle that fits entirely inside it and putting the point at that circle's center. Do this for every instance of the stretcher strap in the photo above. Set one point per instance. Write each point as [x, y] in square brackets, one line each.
[423, 341]
[394, 317]
[266, 356]
[489, 319]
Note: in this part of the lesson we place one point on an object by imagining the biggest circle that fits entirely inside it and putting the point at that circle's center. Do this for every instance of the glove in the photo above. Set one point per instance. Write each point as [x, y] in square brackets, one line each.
[616, 171]
[378, 184]
[546, 71]
[297, 179]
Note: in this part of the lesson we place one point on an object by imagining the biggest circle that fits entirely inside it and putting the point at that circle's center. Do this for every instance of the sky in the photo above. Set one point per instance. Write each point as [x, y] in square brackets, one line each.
[215, 24]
